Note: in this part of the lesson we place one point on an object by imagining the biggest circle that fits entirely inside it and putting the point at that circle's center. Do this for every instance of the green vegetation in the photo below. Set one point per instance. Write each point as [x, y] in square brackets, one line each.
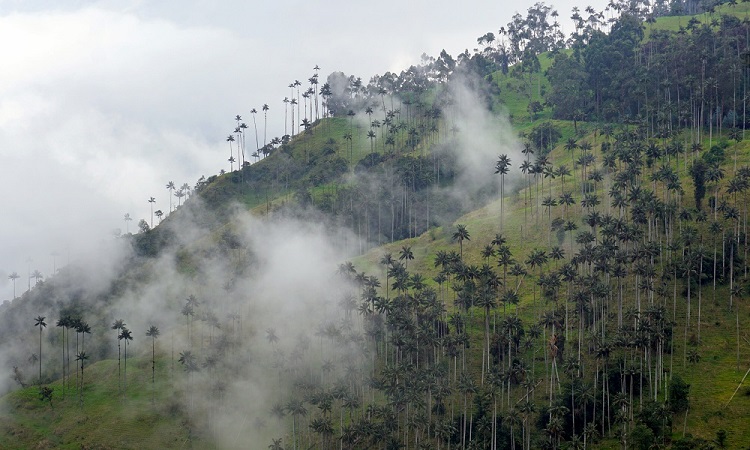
[592, 295]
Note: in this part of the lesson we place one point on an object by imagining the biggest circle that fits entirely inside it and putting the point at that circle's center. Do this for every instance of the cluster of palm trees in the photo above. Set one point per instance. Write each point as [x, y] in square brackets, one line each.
[35, 274]
[578, 339]
[237, 139]
[68, 322]
[183, 192]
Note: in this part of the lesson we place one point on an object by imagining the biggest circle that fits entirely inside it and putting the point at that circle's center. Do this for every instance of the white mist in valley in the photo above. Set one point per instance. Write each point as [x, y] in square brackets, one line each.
[250, 311]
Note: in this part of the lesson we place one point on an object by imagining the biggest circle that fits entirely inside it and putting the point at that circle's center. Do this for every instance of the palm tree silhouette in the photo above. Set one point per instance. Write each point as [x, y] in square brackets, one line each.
[127, 220]
[153, 333]
[170, 188]
[189, 363]
[152, 200]
[82, 357]
[118, 325]
[126, 335]
[461, 234]
[63, 323]
[13, 277]
[405, 254]
[502, 167]
[265, 122]
[39, 322]
[36, 275]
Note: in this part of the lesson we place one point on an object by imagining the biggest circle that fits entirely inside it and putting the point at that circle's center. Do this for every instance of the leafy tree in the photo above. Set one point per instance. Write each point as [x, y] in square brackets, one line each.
[679, 393]
[544, 137]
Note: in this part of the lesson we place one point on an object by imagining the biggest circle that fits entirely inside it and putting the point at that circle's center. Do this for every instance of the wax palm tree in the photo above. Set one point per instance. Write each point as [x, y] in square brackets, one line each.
[36, 275]
[83, 328]
[153, 333]
[152, 200]
[405, 254]
[13, 277]
[63, 323]
[39, 322]
[230, 139]
[265, 122]
[127, 220]
[190, 364]
[255, 125]
[179, 194]
[82, 357]
[461, 234]
[295, 408]
[502, 167]
[170, 188]
[118, 325]
[125, 335]
[159, 214]
[371, 135]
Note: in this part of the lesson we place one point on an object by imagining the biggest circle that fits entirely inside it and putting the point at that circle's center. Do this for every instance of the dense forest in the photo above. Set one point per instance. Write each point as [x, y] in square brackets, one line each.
[538, 244]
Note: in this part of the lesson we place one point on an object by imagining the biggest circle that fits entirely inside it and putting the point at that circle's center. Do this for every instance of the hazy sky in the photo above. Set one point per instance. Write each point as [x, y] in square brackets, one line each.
[103, 102]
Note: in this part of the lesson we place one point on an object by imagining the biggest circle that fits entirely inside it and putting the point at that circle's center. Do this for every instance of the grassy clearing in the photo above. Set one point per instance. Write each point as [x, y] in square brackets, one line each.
[106, 420]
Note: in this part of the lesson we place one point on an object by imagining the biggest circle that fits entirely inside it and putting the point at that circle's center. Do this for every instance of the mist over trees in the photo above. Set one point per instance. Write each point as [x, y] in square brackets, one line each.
[571, 324]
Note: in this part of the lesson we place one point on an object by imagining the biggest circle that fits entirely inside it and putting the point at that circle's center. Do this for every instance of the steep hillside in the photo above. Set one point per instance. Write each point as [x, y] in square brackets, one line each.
[576, 279]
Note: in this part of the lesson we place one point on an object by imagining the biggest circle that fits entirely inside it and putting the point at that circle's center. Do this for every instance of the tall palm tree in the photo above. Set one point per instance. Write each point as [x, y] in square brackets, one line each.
[152, 200]
[405, 254]
[461, 234]
[13, 277]
[39, 322]
[82, 357]
[188, 361]
[265, 122]
[230, 139]
[501, 167]
[296, 408]
[153, 333]
[118, 325]
[126, 335]
[255, 125]
[63, 323]
[170, 188]
[127, 220]
[36, 275]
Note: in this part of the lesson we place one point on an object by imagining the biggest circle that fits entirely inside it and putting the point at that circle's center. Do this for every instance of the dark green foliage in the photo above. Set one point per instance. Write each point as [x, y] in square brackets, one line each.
[721, 438]
[698, 173]
[570, 93]
[327, 170]
[544, 137]
[656, 417]
[715, 156]
[679, 395]
[369, 161]
[642, 437]
[45, 394]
